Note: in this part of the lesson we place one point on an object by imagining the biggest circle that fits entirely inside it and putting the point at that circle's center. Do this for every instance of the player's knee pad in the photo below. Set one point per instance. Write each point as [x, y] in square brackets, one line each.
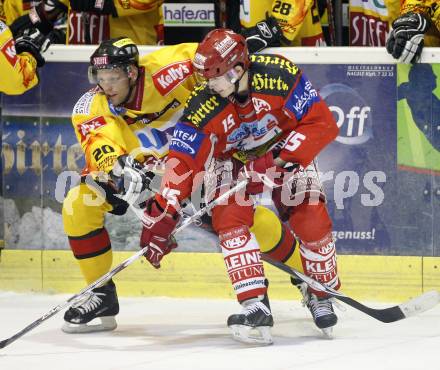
[231, 215]
[310, 222]
[83, 210]
[243, 263]
[302, 187]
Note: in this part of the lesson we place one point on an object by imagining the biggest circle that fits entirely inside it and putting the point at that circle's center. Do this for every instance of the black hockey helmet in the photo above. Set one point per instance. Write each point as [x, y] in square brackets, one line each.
[120, 52]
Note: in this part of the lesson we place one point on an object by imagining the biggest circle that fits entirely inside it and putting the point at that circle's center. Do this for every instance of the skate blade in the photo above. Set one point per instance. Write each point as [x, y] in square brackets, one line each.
[249, 335]
[107, 323]
[328, 332]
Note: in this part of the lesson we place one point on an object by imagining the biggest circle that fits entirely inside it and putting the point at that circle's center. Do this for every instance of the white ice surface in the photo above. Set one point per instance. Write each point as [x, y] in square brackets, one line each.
[175, 334]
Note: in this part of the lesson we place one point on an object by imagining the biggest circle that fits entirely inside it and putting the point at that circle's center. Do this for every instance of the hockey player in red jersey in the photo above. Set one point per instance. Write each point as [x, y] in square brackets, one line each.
[260, 114]
[132, 109]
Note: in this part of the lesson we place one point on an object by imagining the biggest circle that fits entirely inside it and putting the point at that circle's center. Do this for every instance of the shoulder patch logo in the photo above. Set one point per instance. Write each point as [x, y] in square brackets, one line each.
[92, 124]
[8, 50]
[168, 78]
[261, 105]
[82, 106]
[3, 26]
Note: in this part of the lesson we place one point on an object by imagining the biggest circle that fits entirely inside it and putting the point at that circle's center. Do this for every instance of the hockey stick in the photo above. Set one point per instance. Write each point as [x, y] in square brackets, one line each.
[406, 309]
[119, 268]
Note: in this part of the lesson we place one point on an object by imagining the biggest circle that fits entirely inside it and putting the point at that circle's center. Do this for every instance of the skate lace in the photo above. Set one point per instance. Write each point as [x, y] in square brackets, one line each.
[317, 307]
[321, 307]
[255, 307]
[90, 303]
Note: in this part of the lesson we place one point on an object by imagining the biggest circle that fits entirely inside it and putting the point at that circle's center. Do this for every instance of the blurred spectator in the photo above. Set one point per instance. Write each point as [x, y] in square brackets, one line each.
[90, 22]
[417, 25]
[188, 21]
[19, 59]
[300, 21]
[370, 21]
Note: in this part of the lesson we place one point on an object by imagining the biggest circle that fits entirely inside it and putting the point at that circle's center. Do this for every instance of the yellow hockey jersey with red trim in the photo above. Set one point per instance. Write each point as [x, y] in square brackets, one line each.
[299, 19]
[10, 10]
[105, 132]
[431, 10]
[18, 72]
[370, 21]
[140, 20]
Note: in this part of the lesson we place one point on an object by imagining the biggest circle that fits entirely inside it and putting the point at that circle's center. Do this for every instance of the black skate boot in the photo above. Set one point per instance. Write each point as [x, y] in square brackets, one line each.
[253, 324]
[102, 303]
[320, 308]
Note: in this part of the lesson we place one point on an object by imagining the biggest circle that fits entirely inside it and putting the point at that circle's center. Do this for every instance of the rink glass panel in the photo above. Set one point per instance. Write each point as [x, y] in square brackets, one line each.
[376, 206]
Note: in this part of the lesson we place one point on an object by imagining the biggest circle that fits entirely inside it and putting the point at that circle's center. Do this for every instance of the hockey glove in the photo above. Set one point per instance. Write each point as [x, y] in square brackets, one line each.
[131, 180]
[104, 7]
[41, 17]
[264, 34]
[156, 232]
[33, 42]
[262, 174]
[406, 40]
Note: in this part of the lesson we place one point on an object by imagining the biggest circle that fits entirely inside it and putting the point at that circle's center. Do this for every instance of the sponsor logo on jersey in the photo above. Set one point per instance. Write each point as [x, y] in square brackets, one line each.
[186, 140]
[279, 61]
[171, 76]
[302, 98]
[199, 113]
[261, 105]
[260, 130]
[8, 50]
[265, 82]
[92, 124]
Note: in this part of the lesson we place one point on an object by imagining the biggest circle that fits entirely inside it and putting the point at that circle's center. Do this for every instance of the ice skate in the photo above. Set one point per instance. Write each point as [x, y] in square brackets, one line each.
[320, 308]
[95, 313]
[253, 324]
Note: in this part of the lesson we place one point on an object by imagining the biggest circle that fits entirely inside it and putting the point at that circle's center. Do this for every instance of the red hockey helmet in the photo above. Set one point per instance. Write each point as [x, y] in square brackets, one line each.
[220, 51]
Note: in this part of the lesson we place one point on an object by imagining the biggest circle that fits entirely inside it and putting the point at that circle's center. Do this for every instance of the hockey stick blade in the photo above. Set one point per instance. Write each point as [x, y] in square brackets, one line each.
[103, 279]
[412, 307]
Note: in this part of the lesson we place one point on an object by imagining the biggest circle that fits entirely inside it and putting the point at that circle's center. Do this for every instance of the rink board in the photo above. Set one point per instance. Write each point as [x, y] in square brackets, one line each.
[376, 278]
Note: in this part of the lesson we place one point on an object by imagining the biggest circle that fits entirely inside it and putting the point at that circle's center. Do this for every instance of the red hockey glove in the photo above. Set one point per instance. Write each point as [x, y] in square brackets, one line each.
[156, 233]
[263, 172]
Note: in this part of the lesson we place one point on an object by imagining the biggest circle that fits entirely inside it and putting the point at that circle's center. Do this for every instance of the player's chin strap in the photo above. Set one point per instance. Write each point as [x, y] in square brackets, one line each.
[237, 83]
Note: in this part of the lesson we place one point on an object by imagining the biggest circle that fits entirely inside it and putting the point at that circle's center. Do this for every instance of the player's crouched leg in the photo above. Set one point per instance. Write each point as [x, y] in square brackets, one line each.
[83, 220]
[241, 254]
[313, 227]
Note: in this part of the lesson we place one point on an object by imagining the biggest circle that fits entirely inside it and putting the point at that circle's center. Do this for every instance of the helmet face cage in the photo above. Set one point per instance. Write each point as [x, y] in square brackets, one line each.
[120, 52]
[219, 52]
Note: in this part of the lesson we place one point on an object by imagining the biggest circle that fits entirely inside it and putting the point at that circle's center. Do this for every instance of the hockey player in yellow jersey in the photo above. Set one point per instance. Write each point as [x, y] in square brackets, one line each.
[299, 19]
[418, 25]
[91, 22]
[124, 125]
[370, 21]
[19, 60]
[11, 10]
